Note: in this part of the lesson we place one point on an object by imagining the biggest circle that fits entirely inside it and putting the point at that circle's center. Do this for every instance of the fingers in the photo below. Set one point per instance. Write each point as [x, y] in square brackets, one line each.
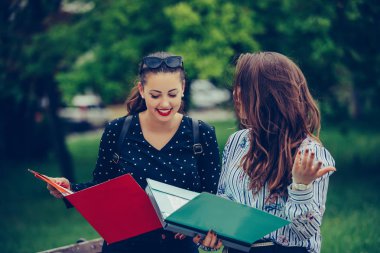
[297, 161]
[50, 188]
[197, 239]
[60, 181]
[325, 170]
[53, 191]
[207, 241]
[310, 161]
[305, 159]
[210, 241]
[219, 245]
[214, 240]
[56, 194]
[180, 236]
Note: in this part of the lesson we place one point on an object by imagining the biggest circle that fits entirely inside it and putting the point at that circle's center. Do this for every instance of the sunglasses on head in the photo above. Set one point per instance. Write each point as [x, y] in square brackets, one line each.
[153, 62]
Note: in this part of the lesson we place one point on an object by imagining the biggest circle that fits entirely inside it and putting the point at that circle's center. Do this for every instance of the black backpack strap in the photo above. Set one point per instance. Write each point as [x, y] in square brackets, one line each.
[197, 147]
[123, 133]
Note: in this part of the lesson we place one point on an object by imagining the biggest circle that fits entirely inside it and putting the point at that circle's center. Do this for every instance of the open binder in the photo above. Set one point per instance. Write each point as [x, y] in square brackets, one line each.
[192, 213]
[117, 209]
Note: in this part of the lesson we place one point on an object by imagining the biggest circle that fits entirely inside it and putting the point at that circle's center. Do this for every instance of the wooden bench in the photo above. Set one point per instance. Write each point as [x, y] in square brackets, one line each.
[82, 246]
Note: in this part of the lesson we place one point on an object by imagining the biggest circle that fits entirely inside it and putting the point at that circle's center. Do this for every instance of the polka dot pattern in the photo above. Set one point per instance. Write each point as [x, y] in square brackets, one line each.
[174, 164]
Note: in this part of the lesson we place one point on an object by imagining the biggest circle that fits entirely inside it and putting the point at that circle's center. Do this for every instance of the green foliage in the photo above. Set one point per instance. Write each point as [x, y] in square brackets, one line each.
[47, 52]
[26, 77]
[117, 35]
[209, 33]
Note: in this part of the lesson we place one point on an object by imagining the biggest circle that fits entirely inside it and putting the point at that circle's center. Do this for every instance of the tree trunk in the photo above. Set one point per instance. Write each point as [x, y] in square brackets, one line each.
[57, 132]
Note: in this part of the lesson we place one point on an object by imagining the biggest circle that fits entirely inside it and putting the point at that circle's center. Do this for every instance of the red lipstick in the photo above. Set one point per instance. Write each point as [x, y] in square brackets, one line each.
[164, 112]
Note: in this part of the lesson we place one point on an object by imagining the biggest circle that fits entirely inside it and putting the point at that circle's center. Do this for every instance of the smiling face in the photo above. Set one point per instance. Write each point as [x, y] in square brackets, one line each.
[162, 93]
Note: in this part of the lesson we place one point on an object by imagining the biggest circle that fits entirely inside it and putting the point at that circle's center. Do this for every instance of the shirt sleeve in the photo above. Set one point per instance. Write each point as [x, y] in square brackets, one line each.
[105, 168]
[232, 154]
[306, 208]
[222, 180]
[208, 162]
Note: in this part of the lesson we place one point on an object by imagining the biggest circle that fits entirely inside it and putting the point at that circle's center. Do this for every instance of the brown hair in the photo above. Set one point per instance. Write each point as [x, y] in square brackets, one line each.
[272, 100]
[135, 103]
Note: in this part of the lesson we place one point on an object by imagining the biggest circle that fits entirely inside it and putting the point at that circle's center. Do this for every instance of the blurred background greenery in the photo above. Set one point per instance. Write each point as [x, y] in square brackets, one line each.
[53, 50]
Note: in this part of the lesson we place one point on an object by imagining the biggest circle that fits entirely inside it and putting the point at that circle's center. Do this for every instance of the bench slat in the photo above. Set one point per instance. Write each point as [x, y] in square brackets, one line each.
[92, 246]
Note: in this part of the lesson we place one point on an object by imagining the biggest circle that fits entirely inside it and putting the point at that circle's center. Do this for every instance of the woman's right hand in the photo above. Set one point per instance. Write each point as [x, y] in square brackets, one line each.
[60, 181]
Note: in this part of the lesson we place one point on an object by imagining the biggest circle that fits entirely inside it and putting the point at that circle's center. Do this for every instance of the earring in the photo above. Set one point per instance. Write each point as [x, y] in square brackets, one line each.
[142, 97]
[183, 95]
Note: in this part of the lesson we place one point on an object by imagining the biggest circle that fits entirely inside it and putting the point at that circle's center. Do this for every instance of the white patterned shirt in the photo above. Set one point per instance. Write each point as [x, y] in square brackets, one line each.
[303, 208]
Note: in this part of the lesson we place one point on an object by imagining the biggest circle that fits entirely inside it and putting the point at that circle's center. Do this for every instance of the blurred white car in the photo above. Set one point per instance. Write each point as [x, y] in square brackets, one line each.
[204, 94]
[86, 112]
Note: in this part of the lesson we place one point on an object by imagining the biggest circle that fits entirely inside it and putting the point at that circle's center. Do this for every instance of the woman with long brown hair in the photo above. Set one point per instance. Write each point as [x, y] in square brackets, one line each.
[277, 162]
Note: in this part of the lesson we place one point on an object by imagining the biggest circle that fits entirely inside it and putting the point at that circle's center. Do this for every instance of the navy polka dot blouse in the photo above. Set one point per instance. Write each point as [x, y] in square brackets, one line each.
[174, 164]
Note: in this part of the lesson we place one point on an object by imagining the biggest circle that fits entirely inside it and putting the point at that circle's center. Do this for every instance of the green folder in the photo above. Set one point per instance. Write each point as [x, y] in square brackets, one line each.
[238, 225]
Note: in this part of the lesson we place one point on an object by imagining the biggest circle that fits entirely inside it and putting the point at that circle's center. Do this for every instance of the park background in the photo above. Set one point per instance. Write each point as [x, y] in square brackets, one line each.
[52, 50]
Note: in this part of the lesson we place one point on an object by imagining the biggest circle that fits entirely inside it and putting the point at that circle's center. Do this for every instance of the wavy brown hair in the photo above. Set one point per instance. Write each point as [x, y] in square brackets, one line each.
[135, 103]
[273, 101]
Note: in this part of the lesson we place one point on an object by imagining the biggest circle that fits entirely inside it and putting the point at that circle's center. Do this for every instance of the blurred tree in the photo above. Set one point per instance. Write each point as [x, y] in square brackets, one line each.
[300, 30]
[27, 75]
[355, 31]
[209, 33]
[46, 43]
[117, 35]
[53, 49]
[335, 44]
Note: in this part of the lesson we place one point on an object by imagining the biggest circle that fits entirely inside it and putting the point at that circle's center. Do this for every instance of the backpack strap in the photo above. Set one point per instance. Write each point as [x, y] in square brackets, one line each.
[123, 133]
[197, 147]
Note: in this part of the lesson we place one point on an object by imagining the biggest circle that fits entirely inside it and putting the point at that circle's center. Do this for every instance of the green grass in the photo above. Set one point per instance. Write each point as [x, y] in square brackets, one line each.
[32, 220]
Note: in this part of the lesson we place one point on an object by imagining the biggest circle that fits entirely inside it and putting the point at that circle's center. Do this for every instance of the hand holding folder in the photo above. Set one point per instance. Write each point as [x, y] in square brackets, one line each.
[192, 213]
[117, 209]
[64, 191]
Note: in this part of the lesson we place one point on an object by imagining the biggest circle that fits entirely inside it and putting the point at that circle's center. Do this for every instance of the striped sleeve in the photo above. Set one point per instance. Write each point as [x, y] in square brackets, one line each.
[306, 208]
[222, 180]
[233, 152]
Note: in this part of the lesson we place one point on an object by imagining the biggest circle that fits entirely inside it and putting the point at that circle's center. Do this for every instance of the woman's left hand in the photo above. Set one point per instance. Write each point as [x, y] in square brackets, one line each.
[209, 243]
[305, 170]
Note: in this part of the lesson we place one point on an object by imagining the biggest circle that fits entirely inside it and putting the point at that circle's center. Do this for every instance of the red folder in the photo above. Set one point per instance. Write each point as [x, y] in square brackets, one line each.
[117, 209]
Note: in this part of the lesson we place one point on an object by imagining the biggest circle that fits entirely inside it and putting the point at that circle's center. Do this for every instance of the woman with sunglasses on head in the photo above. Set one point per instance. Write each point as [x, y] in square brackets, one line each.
[159, 144]
[276, 163]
